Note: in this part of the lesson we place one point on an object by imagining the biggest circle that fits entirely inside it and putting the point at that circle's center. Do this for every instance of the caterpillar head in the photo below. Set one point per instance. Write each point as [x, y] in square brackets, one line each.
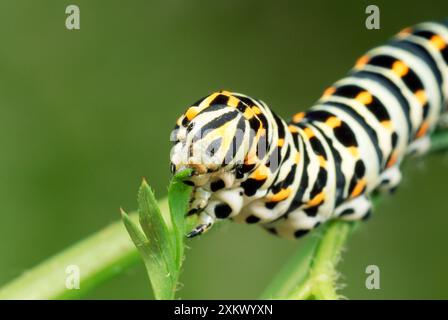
[212, 137]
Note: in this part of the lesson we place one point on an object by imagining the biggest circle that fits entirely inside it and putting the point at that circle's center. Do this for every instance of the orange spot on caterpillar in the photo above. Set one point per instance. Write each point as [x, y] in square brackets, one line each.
[387, 124]
[328, 92]
[281, 195]
[421, 96]
[322, 161]
[316, 200]
[309, 133]
[422, 130]
[191, 113]
[333, 122]
[392, 160]
[298, 117]
[292, 129]
[404, 32]
[248, 114]
[364, 97]
[354, 151]
[359, 188]
[256, 110]
[233, 101]
[261, 173]
[437, 42]
[297, 158]
[280, 142]
[362, 61]
[400, 68]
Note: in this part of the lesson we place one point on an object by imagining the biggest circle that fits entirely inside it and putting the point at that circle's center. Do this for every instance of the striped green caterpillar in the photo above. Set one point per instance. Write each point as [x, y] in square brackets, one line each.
[251, 166]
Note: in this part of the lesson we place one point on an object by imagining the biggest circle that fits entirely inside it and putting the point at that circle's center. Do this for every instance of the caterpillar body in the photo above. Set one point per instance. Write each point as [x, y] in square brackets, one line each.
[251, 166]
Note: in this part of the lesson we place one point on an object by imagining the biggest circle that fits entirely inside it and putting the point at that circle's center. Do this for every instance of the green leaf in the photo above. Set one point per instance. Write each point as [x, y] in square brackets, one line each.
[178, 198]
[162, 284]
[160, 240]
[161, 247]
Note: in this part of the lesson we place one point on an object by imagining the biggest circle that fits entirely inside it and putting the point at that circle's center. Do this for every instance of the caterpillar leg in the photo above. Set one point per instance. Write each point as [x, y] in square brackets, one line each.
[198, 201]
[419, 147]
[389, 180]
[293, 226]
[205, 223]
[220, 205]
[359, 208]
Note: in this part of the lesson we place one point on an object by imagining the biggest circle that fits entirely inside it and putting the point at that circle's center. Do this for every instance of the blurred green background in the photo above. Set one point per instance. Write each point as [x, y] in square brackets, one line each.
[85, 114]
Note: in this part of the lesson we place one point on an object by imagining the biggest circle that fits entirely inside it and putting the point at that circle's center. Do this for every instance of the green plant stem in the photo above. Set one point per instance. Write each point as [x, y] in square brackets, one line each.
[311, 272]
[110, 251]
[322, 272]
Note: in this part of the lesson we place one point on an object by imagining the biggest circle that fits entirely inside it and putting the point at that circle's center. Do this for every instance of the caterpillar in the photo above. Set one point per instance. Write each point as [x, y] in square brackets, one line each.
[251, 166]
